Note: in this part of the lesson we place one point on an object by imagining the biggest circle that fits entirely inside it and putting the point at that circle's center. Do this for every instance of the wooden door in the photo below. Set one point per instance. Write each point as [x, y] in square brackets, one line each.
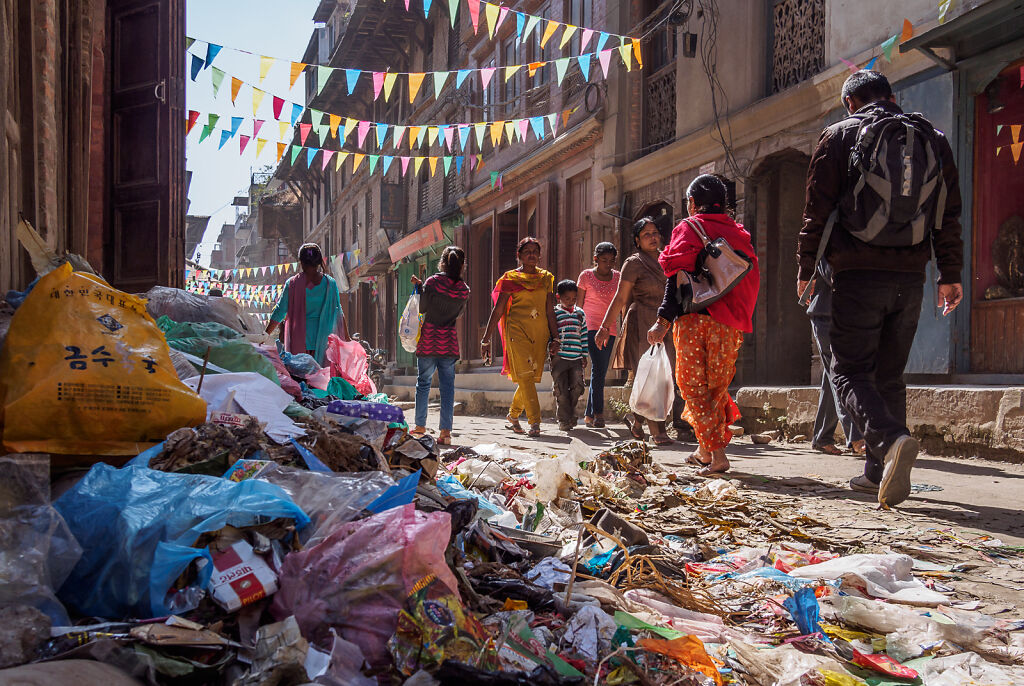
[144, 242]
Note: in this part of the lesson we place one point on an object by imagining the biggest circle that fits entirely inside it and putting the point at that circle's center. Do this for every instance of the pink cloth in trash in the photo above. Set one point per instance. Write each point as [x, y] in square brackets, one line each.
[347, 359]
[356, 580]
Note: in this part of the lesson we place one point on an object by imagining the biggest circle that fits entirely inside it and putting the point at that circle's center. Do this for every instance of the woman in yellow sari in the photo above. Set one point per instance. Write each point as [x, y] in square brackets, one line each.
[524, 312]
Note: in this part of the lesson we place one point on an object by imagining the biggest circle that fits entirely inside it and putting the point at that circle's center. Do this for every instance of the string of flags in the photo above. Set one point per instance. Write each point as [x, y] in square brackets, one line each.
[1017, 144]
[384, 82]
[888, 45]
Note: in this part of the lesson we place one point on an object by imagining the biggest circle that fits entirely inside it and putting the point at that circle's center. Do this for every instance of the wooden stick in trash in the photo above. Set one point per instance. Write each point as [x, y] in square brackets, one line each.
[202, 372]
[575, 564]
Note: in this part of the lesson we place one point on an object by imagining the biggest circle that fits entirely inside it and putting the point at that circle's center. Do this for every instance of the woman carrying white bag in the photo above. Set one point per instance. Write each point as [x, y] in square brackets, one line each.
[653, 387]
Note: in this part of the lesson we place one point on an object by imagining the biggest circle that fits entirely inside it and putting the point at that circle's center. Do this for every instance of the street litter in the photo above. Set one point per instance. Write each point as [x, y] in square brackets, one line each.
[282, 525]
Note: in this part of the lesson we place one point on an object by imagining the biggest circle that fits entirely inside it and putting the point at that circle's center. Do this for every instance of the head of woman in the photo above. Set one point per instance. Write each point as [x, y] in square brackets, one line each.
[605, 255]
[311, 259]
[453, 259]
[647, 236]
[706, 195]
[528, 252]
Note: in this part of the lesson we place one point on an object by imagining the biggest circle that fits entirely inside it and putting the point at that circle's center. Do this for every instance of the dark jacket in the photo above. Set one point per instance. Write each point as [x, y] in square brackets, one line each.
[829, 178]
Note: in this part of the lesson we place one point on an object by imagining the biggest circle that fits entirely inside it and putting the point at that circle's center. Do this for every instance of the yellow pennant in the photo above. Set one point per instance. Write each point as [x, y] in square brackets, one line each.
[297, 68]
[260, 142]
[496, 129]
[389, 84]
[491, 12]
[265, 64]
[257, 98]
[431, 135]
[283, 127]
[510, 71]
[569, 31]
[339, 159]
[626, 52]
[549, 31]
[357, 159]
[349, 125]
[415, 81]
[510, 131]
[417, 163]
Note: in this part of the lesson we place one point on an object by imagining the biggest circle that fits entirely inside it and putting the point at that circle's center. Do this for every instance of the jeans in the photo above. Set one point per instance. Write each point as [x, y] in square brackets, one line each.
[600, 358]
[567, 376]
[445, 367]
[874, 319]
[830, 413]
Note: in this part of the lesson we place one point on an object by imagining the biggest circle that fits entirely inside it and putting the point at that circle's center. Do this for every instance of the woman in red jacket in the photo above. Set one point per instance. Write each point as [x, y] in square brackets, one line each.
[707, 342]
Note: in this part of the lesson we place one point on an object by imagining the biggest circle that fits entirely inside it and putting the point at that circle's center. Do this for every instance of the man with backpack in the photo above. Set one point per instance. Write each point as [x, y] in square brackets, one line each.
[882, 195]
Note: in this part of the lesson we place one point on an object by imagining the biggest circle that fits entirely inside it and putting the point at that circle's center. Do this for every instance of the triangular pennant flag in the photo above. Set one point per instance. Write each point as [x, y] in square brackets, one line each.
[265, 64]
[561, 65]
[585, 38]
[296, 112]
[280, 150]
[378, 83]
[1015, 132]
[328, 154]
[304, 132]
[999, 149]
[415, 81]
[460, 76]
[511, 71]
[549, 31]
[485, 76]
[405, 165]
[520, 24]
[432, 132]
[257, 100]
[463, 135]
[458, 165]
[565, 116]
[260, 142]
[382, 134]
[850, 65]
[553, 123]
[363, 129]
[388, 159]
[322, 75]
[335, 122]
[396, 136]
[278, 104]
[584, 62]
[908, 31]
[496, 129]
[491, 12]
[510, 131]
[216, 78]
[453, 8]
[193, 117]
[433, 165]
[373, 162]
[417, 163]
[339, 160]
[197, 66]
[351, 78]
[389, 84]
[494, 178]
[637, 54]
[1022, 76]
[296, 69]
[236, 122]
[532, 68]
[296, 150]
[236, 85]
[871, 63]
[537, 124]
[531, 24]
[225, 136]
[188, 42]
[999, 129]
[283, 128]
[474, 13]
[888, 46]
[524, 126]
[605, 58]
[243, 141]
[601, 40]
[426, 8]
[357, 159]
[211, 53]
[449, 135]
[626, 53]
[439, 78]
[1015, 149]
[414, 134]
[207, 130]
[501, 17]
[349, 125]
[447, 161]
[479, 130]
[257, 124]
[570, 30]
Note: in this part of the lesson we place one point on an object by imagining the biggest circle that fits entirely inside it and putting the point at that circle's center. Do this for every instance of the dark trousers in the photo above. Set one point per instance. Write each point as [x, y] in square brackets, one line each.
[599, 358]
[830, 412]
[567, 376]
[874, 319]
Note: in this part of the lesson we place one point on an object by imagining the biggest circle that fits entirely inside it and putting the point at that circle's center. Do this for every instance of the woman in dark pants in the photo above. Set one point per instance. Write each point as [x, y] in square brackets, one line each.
[597, 288]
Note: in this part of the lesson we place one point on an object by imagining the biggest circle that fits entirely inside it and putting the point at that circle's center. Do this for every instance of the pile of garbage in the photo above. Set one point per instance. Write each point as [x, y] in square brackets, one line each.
[276, 523]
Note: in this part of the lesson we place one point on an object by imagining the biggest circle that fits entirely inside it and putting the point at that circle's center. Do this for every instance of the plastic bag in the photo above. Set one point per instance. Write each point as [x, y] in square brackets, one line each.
[85, 370]
[357, 579]
[689, 650]
[882, 576]
[37, 550]
[409, 324]
[183, 306]
[225, 348]
[348, 360]
[137, 526]
[653, 386]
[290, 385]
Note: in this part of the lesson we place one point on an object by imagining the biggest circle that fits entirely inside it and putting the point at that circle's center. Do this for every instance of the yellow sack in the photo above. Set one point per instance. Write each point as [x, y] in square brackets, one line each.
[86, 371]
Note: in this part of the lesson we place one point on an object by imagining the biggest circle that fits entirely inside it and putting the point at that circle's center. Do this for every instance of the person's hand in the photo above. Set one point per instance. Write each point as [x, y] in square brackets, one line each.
[656, 334]
[950, 295]
[485, 351]
[584, 362]
[415, 280]
[800, 286]
[554, 346]
[601, 339]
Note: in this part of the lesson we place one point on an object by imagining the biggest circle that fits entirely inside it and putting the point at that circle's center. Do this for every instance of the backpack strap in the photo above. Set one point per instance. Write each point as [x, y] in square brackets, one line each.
[826, 234]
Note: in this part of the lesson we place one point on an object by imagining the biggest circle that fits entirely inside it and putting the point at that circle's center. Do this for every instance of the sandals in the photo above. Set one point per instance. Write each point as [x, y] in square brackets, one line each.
[829, 449]
[589, 422]
[534, 431]
[635, 429]
[418, 431]
[662, 439]
[694, 459]
[444, 438]
[514, 424]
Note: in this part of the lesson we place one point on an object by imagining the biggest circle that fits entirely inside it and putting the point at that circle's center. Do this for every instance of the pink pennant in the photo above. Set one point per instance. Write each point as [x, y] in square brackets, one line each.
[328, 154]
[256, 126]
[378, 83]
[1022, 76]
[242, 142]
[449, 135]
[523, 127]
[605, 56]
[850, 65]
[406, 5]
[278, 104]
[361, 130]
[501, 17]
[472, 163]
[585, 38]
[487, 73]
[304, 130]
[405, 165]
[474, 13]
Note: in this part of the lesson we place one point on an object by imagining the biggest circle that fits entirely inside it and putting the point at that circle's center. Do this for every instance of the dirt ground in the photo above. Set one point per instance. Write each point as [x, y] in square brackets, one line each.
[960, 513]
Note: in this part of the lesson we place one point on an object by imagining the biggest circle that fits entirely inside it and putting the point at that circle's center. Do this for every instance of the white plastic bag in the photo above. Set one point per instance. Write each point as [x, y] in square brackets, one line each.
[409, 324]
[653, 387]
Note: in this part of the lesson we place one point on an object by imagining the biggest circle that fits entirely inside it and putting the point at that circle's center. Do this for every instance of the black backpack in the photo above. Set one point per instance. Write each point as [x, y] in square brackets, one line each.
[899, 192]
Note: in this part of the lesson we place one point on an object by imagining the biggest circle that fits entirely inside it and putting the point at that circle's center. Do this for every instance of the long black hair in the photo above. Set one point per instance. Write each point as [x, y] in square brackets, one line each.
[639, 226]
[311, 256]
[708, 194]
[452, 260]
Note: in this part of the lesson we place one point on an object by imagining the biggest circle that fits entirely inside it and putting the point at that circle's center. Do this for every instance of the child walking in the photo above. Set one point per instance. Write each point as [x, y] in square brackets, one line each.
[568, 363]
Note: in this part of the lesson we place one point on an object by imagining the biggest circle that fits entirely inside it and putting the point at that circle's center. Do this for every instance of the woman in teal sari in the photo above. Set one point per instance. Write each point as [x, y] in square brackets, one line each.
[310, 307]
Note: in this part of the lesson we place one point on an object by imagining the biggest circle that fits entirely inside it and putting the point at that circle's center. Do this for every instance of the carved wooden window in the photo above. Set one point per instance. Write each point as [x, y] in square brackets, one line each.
[798, 41]
[660, 108]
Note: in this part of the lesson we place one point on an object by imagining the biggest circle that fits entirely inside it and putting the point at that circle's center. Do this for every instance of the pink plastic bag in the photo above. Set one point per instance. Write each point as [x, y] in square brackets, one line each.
[290, 385]
[356, 580]
[348, 360]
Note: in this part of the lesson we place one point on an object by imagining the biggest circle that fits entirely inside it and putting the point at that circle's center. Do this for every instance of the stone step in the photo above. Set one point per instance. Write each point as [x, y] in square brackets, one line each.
[478, 401]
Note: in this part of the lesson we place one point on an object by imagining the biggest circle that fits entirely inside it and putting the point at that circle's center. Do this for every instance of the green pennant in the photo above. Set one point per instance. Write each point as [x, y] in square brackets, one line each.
[373, 161]
[213, 120]
[494, 178]
[453, 6]
[207, 130]
[217, 78]
[189, 42]
[296, 151]
[887, 47]
[447, 161]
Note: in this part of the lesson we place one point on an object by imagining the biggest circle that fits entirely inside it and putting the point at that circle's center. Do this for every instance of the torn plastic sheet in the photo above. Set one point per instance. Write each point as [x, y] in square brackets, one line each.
[879, 576]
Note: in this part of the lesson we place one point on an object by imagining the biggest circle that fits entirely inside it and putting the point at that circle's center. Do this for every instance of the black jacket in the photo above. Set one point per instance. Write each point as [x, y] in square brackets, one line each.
[829, 177]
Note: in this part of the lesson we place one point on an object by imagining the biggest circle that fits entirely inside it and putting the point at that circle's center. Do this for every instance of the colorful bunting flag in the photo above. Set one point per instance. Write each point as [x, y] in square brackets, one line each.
[474, 14]
[889, 45]
[225, 136]
[260, 142]
[567, 35]
[296, 69]
[549, 31]
[236, 85]
[439, 78]
[531, 24]
[322, 75]
[243, 141]
[193, 117]
[389, 84]
[265, 64]
[491, 13]
[197, 66]
[212, 50]
[216, 78]
[908, 31]
[415, 81]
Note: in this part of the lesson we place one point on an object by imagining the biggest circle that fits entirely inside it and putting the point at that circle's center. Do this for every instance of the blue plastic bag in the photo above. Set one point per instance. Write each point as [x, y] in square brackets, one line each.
[803, 606]
[137, 527]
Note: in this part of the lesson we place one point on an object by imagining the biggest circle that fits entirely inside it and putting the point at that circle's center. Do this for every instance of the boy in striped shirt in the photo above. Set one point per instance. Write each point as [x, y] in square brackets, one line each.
[568, 364]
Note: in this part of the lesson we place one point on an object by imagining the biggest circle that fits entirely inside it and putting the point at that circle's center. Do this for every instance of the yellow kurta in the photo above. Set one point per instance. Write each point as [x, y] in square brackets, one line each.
[525, 331]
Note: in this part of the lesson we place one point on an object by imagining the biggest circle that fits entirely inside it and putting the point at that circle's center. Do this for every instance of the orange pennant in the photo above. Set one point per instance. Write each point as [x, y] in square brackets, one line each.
[236, 85]
[548, 32]
[297, 68]
[636, 53]
[415, 81]
[908, 31]
[1015, 149]
[357, 159]
[414, 132]
[496, 129]
[533, 67]
[433, 165]
[1015, 132]
[280, 150]
[335, 123]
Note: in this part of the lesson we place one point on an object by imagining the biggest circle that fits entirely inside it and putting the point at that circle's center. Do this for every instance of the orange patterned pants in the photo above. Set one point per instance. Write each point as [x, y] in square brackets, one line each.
[705, 364]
